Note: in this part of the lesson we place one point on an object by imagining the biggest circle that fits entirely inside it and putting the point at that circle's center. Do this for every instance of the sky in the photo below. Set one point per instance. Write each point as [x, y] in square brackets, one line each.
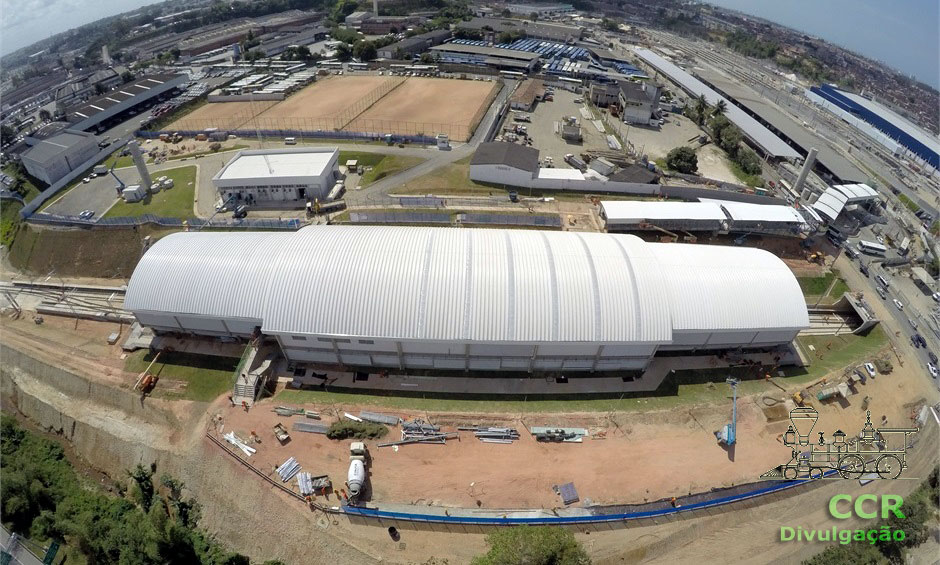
[24, 22]
[902, 34]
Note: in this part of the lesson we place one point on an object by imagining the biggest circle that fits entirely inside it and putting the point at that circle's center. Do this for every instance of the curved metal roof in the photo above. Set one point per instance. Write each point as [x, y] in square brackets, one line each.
[466, 285]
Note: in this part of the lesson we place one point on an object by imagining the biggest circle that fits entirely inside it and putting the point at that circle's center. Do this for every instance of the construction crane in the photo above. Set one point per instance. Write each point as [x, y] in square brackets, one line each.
[728, 435]
[120, 184]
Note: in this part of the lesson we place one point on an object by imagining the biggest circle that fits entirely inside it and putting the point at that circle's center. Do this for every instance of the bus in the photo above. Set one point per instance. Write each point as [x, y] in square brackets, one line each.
[515, 75]
[330, 64]
[872, 248]
[358, 66]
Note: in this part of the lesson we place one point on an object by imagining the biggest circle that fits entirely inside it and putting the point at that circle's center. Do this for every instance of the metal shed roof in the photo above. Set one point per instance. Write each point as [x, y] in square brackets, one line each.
[753, 129]
[437, 284]
[830, 203]
[856, 192]
[748, 212]
[627, 210]
[719, 288]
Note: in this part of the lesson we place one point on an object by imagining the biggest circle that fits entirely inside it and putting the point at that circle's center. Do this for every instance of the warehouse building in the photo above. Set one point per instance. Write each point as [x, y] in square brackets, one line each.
[527, 94]
[279, 177]
[108, 108]
[758, 136]
[490, 28]
[636, 215]
[411, 46]
[504, 163]
[715, 216]
[412, 298]
[497, 57]
[638, 101]
[542, 10]
[52, 158]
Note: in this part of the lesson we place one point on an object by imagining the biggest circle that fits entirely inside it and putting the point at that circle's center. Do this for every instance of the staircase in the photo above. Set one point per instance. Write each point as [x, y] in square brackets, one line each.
[250, 379]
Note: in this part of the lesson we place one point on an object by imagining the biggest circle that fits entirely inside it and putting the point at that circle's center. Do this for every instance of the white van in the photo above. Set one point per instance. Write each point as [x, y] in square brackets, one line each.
[290, 141]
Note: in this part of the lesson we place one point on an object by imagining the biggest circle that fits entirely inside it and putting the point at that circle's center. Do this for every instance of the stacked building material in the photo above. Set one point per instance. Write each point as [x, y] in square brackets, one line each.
[287, 411]
[288, 469]
[380, 418]
[493, 435]
[309, 484]
[310, 427]
[419, 431]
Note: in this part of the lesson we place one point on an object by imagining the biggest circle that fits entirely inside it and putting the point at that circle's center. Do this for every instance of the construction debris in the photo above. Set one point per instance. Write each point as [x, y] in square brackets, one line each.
[419, 426]
[380, 418]
[567, 492]
[433, 438]
[309, 485]
[310, 427]
[493, 435]
[239, 443]
[287, 411]
[569, 435]
[288, 469]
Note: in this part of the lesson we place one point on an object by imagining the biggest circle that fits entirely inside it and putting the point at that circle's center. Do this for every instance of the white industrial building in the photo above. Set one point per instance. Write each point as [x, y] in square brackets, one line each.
[468, 299]
[52, 158]
[835, 199]
[718, 216]
[504, 163]
[279, 176]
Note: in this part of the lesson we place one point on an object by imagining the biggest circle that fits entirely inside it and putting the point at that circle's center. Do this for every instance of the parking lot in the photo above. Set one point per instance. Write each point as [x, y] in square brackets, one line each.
[97, 195]
[542, 129]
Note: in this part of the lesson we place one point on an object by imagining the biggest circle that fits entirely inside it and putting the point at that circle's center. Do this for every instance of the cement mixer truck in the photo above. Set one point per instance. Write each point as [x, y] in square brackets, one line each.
[356, 477]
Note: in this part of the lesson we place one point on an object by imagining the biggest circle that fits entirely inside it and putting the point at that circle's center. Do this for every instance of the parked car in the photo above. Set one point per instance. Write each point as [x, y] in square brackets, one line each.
[240, 212]
[914, 341]
[932, 357]
[936, 296]
[933, 369]
[871, 369]
[880, 239]
[912, 323]
[898, 305]
[882, 293]
[86, 180]
[923, 342]
[87, 214]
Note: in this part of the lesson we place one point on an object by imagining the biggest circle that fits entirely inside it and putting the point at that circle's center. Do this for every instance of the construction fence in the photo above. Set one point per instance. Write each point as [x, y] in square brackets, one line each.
[189, 223]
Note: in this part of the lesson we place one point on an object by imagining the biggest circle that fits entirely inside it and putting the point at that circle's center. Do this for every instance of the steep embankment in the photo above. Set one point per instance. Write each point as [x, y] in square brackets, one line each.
[113, 429]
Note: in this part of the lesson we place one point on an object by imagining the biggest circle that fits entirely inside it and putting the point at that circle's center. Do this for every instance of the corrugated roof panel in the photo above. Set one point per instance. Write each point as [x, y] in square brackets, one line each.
[444, 284]
[705, 296]
[749, 212]
[625, 210]
[749, 126]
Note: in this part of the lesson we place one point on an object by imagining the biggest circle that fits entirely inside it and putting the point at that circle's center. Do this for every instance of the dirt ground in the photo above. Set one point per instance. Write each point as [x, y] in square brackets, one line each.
[222, 115]
[421, 103]
[323, 99]
[713, 164]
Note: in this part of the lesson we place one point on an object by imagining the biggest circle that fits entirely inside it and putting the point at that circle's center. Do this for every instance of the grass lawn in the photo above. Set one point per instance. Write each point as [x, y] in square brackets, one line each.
[833, 353]
[815, 288]
[452, 179]
[911, 205]
[382, 165]
[206, 377]
[176, 202]
[9, 220]
[206, 152]
[119, 161]
[684, 388]
[32, 190]
[749, 180]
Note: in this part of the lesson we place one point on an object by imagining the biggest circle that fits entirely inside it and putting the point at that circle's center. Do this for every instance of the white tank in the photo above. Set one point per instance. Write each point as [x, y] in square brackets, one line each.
[356, 476]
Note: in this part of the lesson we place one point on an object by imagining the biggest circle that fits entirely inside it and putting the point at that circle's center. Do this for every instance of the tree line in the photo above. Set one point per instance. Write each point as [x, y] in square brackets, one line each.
[149, 521]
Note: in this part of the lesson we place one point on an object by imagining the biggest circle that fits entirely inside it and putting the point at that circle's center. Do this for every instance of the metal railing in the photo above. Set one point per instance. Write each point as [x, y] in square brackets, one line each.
[123, 222]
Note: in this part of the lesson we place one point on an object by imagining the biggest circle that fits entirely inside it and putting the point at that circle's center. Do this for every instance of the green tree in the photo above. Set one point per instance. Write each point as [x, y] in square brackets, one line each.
[343, 52]
[45, 114]
[916, 514]
[720, 107]
[534, 16]
[528, 545]
[7, 134]
[730, 139]
[364, 51]
[682, 159]
[427, 59]
[748, 161]
[506, 13]
[849, 554]
[701, 109]
[610, 25]
[127, 77]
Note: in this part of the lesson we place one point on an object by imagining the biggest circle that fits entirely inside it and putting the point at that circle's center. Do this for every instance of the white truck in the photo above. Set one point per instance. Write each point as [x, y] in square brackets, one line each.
[357, 468]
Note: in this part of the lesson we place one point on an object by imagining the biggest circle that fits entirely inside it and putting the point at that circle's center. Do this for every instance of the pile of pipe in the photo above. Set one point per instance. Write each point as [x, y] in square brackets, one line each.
[493, 435]
[288, 469]
[239, 443]
[419, 431]
[305, 483]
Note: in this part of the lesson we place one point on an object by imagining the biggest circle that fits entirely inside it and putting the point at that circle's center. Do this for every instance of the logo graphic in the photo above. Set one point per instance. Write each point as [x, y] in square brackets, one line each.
[875, 453]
